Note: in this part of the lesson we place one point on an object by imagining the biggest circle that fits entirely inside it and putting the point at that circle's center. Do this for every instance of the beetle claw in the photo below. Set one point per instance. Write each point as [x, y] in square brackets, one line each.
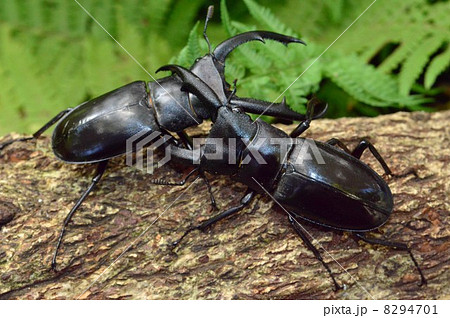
[405, 173]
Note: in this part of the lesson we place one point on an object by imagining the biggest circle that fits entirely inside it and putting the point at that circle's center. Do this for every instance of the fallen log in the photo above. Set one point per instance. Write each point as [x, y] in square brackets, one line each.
[118, 243]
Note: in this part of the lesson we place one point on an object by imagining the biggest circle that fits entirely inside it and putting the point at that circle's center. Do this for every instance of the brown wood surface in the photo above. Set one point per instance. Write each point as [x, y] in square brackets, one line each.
[253, 255]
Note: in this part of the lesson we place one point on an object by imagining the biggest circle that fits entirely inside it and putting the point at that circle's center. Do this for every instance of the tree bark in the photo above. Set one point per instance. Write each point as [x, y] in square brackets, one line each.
[117, 245]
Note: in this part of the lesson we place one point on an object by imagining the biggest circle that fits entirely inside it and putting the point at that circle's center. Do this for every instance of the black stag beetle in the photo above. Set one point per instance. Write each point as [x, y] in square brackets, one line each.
[98, 130]
[310, 180]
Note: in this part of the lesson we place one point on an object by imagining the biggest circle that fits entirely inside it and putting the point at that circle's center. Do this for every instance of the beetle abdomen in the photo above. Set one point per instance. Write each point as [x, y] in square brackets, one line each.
[339, 192]
[98, 130]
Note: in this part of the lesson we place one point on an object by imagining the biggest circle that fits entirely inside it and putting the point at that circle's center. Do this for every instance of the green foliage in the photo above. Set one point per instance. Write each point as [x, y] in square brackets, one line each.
[54, 56]
[418, 28]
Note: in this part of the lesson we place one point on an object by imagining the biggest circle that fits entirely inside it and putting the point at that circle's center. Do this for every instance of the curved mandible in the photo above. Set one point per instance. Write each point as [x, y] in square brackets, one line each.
[193, 84]
[223, 49]
[321, 112]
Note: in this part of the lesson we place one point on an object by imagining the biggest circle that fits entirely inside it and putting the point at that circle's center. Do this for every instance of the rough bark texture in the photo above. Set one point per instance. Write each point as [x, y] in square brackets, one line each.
[252, 255]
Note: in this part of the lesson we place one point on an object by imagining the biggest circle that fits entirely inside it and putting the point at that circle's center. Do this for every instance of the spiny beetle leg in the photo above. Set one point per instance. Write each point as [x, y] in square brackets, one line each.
[396, 245]
[188, 143]
[98, 175]
[359, 149]
[313, 249]
[339, 143]
[363, 145]
[304, 125]
[246, 199]
[172, 183]
[9, 142]
[39, 132]
[208, 186]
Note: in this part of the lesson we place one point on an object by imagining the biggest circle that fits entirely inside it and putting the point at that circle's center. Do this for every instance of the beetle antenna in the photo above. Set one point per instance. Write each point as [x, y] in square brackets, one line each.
[208, 17]
[233, 92]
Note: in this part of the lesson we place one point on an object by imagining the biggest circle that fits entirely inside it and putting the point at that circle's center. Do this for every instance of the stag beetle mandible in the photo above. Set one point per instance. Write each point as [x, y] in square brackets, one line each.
[336, 190]
[98, 130]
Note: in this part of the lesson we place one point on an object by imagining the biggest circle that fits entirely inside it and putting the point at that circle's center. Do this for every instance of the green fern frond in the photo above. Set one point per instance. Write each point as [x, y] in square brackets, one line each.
[345, 73]
[436, 67]
[414, 65]
[181, 14]
[404, 50]
[154, 15]
[267, 18]
[335, 9]
[192, 50]
[364, 82]
[225, 17]
[417, 26]
[53, 56]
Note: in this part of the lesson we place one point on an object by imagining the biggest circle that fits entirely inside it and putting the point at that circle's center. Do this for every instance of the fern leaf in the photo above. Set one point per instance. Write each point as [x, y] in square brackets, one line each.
[95, 58]
[156, 15]
[436, 67]
[192, 49]
[335, 9]
[272, 51]
[414, 65]
[24, 72]
[346, 73]
[234, 71]
[181, 15]
[267, 18]
[402, 52]
[225, 17]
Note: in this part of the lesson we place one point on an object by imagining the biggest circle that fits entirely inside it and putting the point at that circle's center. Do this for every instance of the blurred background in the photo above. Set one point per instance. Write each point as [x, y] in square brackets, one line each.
[395, 57]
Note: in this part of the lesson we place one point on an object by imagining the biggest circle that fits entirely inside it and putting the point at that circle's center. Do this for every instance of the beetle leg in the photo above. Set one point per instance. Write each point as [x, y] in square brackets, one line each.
[277, 110]
[304, 125]
[98, 175]
[396, 245]
[208, 186]
[363, 145]
[246, 199]
[40, 131]
[337, 142]
[188, 143]
[313, 249]
[171, 183]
